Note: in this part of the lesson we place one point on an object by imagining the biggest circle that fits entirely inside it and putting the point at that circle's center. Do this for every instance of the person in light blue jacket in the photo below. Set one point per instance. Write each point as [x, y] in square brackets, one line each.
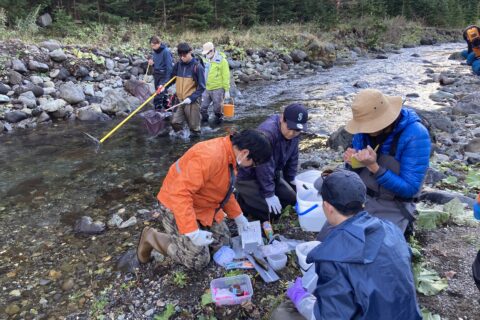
[391, 153]
[363, 266]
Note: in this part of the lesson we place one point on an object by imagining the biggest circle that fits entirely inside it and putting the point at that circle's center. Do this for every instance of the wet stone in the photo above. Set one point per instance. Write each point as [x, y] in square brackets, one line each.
[86, 226]
[68, 285]
[12, 309]
[44, 282]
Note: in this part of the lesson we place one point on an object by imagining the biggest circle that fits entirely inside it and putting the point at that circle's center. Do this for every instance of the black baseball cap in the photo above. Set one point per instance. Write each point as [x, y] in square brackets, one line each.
[343, 189]
[296, 116]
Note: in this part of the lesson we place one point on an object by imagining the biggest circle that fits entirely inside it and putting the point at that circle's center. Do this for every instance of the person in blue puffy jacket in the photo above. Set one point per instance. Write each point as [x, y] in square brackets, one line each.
[363, 266]
[391, 153]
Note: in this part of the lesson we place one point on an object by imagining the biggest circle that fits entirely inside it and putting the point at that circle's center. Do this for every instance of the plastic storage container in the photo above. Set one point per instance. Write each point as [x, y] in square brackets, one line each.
[309, 279]
[302, 251]
[224, 290]
[277, 261]
[310, 211]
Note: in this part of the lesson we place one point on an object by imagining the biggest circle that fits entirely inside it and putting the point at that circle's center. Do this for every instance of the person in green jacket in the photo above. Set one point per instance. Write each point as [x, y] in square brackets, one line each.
[217, 74]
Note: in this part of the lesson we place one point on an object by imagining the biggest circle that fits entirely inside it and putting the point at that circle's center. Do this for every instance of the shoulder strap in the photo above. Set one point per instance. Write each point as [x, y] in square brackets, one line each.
[230, 189]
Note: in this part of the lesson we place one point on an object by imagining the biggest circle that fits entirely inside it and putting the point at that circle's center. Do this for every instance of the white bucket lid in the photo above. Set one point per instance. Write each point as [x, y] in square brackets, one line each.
[307, 178]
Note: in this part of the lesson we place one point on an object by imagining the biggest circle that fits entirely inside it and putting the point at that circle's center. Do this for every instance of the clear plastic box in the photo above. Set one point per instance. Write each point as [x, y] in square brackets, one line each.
[222, 294]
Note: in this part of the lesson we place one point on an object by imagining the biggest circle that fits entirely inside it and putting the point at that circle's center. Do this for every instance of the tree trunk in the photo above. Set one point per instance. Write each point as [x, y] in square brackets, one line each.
[164, 16]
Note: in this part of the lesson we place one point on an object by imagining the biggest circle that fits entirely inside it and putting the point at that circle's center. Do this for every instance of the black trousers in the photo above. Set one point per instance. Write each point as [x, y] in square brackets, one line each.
[253, 203]
[160, 100]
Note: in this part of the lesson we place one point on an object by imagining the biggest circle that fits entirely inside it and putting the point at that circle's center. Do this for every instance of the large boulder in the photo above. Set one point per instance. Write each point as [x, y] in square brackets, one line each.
[28, 99]
[14, 77]
[44, 20]
[37, 66]
[19, 66]
[91, 113]
[15, 116]
[340, 139]
[58, 55]
[298, 55]
[114, 102]
[52, 105]
[50, 45]
[72, 93]
[469, 104]
[324, 51]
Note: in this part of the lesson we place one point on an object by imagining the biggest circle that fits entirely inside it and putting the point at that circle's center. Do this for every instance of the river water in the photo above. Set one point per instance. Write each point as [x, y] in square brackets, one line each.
[51, 176]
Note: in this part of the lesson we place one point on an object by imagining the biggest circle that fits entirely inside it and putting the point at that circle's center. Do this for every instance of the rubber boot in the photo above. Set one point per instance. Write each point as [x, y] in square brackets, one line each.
[152, 239]
[205, 118]
[218, 118]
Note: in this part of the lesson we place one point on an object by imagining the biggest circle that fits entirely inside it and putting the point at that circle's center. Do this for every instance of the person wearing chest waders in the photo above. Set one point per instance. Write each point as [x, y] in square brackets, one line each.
[162, 63]
[264, 190]
[196, 196]
[391, 153]
[218, 82]
[190, 84]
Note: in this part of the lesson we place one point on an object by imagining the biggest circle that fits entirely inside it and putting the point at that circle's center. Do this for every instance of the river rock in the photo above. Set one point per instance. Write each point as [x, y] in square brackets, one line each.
[433, 176]
[361, 84]
[72, 93]
[109, 64]
[114, 102]
[2, 127]
[128, 262]
[441, 96]
[19, 66]
[443, 123]
[445, 81]
[473, 145]
[12, 309]
[427, 41]
[298, 55]
[130, 222]
[51, 45]
[115, 221]
[469, 104]
[81, 72]
[4, 89]
[381, 57]
[68, 284]
[4, 98]
[28, 99]
[472, 158]
[85, 225]
[339, 139]
[456, 56]
[15, 116]
[44, 20]
[14, 77]
[43, 117]
[63, 112]
[37, 66]
[88, 90]
[442, 197]
[91, 113]
[36, 80]
[53, 105]
[58, 55]
[37, 90]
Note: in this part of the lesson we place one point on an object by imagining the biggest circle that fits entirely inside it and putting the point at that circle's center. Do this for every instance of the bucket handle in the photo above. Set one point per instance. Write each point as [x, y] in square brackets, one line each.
[231, 98]
[306, 211]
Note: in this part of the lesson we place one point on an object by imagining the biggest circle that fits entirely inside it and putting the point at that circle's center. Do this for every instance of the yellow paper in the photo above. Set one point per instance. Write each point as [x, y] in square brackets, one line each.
[357, 164]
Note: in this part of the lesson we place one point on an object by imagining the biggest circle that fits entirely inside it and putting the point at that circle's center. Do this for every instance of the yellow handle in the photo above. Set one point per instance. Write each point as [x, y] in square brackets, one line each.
[134, 112]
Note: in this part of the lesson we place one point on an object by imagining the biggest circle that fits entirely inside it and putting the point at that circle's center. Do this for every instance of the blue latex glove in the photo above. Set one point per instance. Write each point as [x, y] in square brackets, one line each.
[476, 208]
[296, 292]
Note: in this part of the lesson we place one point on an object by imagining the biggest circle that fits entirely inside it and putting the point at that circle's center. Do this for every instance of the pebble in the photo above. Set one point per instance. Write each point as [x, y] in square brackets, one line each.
[130, 222]
[12, 309]
[15, 293]
[68, 284]
[150, 312]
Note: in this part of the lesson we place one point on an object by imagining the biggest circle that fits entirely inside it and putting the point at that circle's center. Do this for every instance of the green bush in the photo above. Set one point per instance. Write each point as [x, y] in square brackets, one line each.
[28, 25]
[63, 23]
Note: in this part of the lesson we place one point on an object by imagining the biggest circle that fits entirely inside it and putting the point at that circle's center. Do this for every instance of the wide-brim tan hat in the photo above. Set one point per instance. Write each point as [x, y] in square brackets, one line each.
[207, 47]
[373, 111]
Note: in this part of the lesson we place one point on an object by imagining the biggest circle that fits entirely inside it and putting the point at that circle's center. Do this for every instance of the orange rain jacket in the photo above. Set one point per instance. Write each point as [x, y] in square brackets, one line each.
[198, 182]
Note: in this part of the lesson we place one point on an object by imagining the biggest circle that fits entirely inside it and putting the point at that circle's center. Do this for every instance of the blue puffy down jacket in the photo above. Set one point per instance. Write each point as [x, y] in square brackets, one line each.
[413, 153]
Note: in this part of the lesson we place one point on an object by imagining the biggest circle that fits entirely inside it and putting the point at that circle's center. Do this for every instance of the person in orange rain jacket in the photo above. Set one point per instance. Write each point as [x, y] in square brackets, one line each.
[196, 195]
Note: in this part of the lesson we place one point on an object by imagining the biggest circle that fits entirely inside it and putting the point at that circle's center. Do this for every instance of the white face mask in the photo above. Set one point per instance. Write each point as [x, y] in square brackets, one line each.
[239, 162]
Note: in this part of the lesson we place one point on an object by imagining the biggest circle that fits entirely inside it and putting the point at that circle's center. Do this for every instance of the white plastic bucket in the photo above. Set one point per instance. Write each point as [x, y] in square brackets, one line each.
[304, 181]
[310, 211]
[302, 251]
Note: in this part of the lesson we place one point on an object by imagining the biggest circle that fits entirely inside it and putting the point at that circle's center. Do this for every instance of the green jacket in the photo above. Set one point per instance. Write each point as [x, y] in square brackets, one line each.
[217, 72]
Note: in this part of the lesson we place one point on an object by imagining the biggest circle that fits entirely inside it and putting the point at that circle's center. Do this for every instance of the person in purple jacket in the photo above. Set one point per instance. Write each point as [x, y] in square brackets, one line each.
[265, 189]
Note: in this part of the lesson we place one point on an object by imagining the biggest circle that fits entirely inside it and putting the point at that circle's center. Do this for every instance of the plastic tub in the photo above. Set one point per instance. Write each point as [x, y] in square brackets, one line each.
[222, 290]
[277, 261]
[302, 251]
[310, 211]
[310, 279]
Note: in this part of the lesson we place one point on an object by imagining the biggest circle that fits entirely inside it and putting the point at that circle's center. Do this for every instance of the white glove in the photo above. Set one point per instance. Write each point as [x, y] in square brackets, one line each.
[274, 205]
[200, 238]
[187, 101]
[227, 94]
[242, 222]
